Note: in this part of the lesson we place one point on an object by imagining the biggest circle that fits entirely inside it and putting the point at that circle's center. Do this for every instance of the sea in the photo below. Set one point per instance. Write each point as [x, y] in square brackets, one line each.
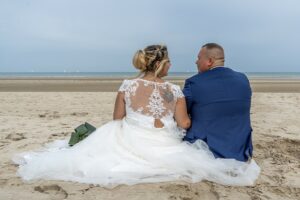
[252, 75]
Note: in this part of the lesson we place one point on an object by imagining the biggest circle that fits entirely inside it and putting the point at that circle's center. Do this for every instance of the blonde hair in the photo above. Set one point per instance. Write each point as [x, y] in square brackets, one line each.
[145, 60]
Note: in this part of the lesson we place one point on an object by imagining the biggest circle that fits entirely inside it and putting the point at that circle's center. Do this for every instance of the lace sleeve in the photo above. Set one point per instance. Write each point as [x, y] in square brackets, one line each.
[177, 92]
[124, 86]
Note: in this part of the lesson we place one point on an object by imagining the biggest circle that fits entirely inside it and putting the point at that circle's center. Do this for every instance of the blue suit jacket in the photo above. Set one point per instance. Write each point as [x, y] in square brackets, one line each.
[218, 102]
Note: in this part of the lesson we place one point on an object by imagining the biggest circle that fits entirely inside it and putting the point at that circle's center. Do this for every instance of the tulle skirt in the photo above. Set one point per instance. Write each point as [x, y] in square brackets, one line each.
[122, 152]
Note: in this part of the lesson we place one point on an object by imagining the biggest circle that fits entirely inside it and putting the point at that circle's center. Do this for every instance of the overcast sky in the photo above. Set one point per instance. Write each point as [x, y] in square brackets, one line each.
[97, 35]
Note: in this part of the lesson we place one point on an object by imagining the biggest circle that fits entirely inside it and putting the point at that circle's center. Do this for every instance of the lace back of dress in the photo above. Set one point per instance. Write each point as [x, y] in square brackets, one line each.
[152, 99]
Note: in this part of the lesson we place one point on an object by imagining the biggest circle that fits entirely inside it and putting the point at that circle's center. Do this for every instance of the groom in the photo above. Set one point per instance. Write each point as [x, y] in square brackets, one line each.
[218, 102]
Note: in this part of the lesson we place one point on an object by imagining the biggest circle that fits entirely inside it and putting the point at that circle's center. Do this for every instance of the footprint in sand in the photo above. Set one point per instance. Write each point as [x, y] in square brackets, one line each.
[292, 148]
[58, 135]
[179, 190]
[42, 115]
[15, 136]
[3, 143]
[176, 187]
[179, 198]
[83, 191]
[79, 113]
[259, 146]
[54, 115]
[22, 146]
[3, 182]
[55, 191]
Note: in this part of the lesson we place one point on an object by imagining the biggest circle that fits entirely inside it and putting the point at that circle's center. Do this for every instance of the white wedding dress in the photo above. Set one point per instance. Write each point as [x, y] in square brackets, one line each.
[133, 150]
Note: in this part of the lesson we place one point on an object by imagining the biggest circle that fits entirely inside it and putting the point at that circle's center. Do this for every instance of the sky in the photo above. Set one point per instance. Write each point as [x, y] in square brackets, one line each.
[102, 36]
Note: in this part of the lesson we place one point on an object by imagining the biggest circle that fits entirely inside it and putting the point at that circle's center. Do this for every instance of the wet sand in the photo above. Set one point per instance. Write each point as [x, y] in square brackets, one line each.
[112, 85]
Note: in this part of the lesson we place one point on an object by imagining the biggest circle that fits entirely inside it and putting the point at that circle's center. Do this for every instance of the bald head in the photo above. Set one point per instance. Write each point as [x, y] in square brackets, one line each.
[215, 52]
[210, 56]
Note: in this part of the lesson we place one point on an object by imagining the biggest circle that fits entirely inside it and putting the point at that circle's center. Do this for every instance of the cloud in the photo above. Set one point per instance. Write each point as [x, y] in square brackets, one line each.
[52, 35]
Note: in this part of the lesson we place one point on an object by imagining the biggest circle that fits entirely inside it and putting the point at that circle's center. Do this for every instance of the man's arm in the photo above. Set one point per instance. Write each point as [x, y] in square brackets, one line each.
[187, 91]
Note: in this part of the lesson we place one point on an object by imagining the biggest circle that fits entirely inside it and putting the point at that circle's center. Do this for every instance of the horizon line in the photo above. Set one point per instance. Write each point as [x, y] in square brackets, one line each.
[136, 72]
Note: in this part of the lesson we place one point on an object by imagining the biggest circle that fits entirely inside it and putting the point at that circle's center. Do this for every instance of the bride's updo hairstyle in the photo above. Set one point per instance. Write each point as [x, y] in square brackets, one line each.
[146, 60]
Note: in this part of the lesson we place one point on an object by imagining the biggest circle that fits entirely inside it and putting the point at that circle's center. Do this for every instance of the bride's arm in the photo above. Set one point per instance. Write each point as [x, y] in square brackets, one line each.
[181, 115]
[119, 110]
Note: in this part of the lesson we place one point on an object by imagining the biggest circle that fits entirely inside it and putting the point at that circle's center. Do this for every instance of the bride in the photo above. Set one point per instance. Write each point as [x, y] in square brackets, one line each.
[142, 144]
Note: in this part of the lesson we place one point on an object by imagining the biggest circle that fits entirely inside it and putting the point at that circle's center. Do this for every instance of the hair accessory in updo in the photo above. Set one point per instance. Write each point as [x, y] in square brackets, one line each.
[146, 59]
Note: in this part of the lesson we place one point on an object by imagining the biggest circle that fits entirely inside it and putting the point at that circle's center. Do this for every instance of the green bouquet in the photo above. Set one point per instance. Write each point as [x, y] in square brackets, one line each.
[81, 132]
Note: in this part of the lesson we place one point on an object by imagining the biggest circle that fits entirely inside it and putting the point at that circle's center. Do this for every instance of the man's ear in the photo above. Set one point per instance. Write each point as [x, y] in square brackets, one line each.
[210, 62]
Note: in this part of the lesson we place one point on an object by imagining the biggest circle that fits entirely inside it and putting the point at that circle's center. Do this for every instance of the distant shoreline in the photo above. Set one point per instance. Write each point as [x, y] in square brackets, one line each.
[126, 75]
[170, 78]
[96, 84]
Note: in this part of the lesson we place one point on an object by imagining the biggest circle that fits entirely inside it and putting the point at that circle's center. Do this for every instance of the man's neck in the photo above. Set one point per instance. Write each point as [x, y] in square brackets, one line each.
[216, 67]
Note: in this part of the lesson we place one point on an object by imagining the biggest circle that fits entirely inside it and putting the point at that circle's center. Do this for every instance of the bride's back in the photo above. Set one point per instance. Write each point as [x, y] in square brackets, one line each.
[152, 103]
[153, 100]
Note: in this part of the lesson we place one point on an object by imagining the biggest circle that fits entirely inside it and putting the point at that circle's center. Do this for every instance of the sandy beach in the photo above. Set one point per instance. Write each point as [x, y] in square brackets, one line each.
[82, 84]
[35, 111]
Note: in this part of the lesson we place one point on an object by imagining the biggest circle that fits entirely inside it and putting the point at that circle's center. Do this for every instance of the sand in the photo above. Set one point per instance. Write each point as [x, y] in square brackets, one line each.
[30, 119]
[64, 84]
